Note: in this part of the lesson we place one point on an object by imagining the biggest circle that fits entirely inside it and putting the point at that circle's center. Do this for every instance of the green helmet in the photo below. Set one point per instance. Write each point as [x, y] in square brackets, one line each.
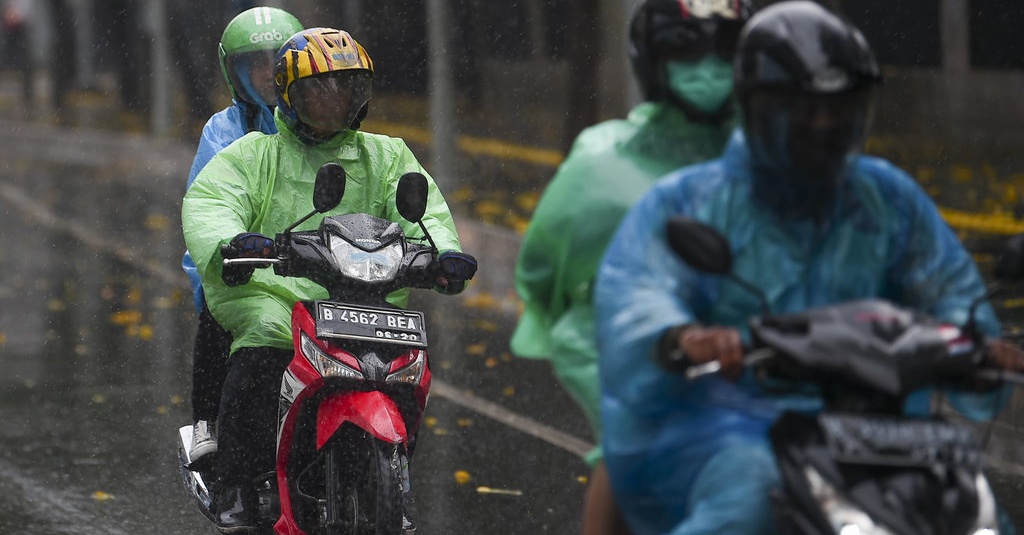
[247, 49]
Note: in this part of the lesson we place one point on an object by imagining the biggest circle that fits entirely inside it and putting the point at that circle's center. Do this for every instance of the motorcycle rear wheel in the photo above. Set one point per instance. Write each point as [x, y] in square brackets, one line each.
[363, 488]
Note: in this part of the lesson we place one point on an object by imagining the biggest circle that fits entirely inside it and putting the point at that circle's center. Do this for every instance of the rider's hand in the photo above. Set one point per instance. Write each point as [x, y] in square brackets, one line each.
[249, 245]
[456, 269]
[1005, 354]
[704, 344]
[245, 245]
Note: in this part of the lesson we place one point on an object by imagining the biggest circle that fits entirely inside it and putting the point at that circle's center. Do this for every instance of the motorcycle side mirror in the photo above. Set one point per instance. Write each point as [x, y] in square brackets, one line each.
[411, 201]
[707, 251]
[699, 245]
[1010, 266]
[329, 187]
[411, 197]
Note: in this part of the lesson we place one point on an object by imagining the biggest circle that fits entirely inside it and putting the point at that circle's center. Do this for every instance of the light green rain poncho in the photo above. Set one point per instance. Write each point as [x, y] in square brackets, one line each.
[264, 183]
[608, 168]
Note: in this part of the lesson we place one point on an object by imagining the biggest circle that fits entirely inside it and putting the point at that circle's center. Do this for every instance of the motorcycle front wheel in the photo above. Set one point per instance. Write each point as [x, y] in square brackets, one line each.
[363, 483]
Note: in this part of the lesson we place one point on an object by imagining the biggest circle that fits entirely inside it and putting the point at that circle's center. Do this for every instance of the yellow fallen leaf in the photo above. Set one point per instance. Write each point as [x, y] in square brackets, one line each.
[99, 398]
[126, 317]
[509, 391]
[162, 410]
[464, 422]
[430, 421]
[146, 332]
[482, 300]
[582, 479]
[476, 349]
[101, 496]
[486, 325]
[177, 400]
[440, 431]
[461, 477]
[157, 222]
[491, 362]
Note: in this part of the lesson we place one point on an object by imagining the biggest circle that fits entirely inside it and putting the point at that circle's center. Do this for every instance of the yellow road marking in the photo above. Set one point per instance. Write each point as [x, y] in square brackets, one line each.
[961, 220]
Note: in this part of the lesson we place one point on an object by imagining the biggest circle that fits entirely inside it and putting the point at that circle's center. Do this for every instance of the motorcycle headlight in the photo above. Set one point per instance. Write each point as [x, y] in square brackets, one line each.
[844, 516]
[325, 364]
[367, 266]
[410, 373]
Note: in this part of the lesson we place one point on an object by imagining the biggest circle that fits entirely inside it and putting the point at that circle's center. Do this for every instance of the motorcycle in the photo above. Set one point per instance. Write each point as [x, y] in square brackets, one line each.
[861, 465]
[352, 396]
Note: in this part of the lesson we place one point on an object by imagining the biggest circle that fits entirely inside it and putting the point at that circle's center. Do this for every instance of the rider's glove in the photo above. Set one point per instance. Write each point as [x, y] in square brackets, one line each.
[456, 269]
[245, 245]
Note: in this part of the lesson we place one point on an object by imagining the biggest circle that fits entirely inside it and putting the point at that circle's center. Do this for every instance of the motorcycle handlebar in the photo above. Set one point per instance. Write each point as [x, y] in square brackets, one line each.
[258, 262]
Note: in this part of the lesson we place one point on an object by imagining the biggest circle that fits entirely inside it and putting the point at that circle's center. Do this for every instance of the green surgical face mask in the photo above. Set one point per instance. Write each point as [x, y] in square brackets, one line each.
[705, 84]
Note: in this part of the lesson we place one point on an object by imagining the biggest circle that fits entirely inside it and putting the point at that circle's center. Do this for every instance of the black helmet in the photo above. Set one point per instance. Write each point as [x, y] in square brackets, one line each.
[681, 29]
[804, 78]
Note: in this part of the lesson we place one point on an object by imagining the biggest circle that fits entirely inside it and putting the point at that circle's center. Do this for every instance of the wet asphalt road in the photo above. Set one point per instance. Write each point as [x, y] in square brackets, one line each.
[95, 330]
[96, 326]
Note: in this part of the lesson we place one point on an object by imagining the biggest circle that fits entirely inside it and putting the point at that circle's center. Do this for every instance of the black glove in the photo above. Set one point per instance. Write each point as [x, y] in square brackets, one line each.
[456, 269]
[245, 245]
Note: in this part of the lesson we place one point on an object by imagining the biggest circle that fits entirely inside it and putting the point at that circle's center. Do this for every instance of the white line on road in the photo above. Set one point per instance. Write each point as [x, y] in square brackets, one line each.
[504, 416]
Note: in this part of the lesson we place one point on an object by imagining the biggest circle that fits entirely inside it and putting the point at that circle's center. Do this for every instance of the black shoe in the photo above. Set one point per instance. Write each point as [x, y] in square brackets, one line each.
[235, 509]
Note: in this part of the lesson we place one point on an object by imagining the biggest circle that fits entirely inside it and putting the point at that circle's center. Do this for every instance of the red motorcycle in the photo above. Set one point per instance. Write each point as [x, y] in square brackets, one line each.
[354, 393]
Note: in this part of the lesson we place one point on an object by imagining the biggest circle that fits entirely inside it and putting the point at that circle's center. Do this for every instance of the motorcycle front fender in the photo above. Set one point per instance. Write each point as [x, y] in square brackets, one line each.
[372, 411]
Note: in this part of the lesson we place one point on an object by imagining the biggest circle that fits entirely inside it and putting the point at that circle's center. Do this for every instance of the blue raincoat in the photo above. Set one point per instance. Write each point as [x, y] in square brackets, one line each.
[689, 457]
[223, 128]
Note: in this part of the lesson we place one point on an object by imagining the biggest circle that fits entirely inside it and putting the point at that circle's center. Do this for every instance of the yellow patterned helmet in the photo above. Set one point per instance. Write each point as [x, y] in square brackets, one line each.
[322, 77]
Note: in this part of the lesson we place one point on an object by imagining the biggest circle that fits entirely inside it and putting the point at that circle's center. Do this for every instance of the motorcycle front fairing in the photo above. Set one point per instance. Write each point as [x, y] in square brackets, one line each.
[882, 474]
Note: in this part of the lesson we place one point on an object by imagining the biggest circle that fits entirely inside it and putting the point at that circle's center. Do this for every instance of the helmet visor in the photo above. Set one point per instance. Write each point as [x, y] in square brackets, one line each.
[695, 40]
[330, 102]
[252, 76]
[806, 140]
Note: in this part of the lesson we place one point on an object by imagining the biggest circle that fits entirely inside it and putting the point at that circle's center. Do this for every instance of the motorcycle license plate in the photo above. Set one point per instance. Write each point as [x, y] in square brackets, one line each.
[336, 320]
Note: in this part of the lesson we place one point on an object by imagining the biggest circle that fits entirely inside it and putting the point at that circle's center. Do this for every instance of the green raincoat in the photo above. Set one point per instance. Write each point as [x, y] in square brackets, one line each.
[264, 183]
[609, 167]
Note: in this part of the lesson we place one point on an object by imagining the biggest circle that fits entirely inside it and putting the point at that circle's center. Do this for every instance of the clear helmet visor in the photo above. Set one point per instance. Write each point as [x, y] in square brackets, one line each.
[252, 76]
[330, 102]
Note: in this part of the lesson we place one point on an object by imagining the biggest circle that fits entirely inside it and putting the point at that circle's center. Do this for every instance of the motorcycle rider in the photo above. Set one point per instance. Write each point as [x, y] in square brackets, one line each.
[246, 51]
[811, 222]
[260, 185]
[681, 53]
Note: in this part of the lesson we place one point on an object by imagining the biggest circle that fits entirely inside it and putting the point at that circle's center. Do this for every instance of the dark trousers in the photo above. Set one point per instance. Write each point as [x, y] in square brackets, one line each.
[209, 366]
[247, 424]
